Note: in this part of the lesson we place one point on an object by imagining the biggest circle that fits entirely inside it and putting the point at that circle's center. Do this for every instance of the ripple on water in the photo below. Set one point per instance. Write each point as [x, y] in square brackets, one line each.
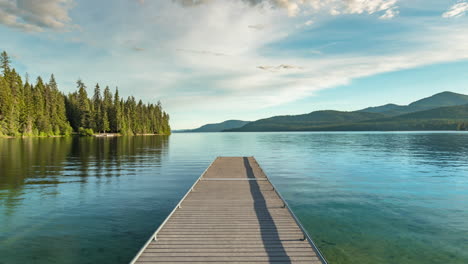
[364, 197]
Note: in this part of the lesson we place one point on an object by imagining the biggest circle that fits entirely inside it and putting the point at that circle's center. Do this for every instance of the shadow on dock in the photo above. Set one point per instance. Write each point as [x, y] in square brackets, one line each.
[268, 229]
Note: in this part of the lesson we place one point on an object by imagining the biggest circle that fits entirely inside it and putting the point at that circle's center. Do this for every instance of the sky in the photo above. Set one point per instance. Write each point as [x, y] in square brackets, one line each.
[214, 60]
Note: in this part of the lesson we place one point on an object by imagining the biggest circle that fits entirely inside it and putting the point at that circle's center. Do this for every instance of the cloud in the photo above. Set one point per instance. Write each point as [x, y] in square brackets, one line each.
[390, 13]
[337, 7]
[191, 3]
[366, 6]
[309, 22]
[456, 10]
[202, 52]
[236, 86]
[333, 7]
[184, 63]
[334, 12]
[34, 15]
[257, 27]
[291, 6]
[280, 68]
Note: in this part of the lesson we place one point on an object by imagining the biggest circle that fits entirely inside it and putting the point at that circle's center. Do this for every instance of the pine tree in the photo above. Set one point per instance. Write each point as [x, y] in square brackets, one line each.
[58, 117]
[116, 118]
[42, 119]
[105, 122]
[5, 62]
[5, 106]
[97, 113]
[124, 129]
[73, 113]
[42, 110]
[83, 105]
[28, 111]
[107, 101]
[53, 105]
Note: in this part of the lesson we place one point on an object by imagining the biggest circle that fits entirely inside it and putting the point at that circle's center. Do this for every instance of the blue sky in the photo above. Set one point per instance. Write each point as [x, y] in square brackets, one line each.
[213, 60]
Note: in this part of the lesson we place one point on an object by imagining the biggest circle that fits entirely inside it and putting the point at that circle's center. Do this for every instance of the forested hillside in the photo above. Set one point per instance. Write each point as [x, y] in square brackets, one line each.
[40, 109]
[217, 127]
[306, 121]
[443, 99]
[442, 118]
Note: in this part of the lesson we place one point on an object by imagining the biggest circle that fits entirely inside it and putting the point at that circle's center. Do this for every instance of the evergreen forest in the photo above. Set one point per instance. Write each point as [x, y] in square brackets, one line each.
[41, 109]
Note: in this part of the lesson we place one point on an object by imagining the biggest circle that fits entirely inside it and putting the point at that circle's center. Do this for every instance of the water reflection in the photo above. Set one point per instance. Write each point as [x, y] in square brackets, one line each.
[364, 197]
[44, 163]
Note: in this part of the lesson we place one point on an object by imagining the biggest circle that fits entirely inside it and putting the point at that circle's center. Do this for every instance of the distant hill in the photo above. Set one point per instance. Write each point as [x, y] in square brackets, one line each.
[438, 100]
[443, 111]
[441, 99]
[217, 127]
[459, 112]
[442, 118]
[303, 122]
[388, 109]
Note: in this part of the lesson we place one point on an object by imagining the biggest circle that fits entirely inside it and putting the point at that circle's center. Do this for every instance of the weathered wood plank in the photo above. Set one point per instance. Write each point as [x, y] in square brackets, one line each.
[232, 214]
[227, 258]
[230, 262]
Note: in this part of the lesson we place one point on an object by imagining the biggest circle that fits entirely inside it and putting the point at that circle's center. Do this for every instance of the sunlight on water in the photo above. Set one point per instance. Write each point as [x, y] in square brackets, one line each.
[364, 197]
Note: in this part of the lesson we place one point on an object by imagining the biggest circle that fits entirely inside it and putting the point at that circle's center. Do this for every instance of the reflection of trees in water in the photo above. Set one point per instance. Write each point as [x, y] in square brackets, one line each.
[44, 163]
[32, 162]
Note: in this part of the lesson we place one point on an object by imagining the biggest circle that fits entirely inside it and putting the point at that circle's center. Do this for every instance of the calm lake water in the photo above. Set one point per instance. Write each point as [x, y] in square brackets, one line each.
[363, 197]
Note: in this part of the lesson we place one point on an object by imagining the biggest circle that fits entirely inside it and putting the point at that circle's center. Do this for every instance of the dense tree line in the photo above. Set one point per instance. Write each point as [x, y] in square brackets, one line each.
[391, 125]
[40, 109]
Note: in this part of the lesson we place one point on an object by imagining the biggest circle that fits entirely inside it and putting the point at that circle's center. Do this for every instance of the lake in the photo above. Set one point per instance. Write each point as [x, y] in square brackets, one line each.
[363, 197]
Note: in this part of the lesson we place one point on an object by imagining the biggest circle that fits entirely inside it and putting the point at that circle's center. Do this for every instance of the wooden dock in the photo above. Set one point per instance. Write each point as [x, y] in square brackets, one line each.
[232, 214]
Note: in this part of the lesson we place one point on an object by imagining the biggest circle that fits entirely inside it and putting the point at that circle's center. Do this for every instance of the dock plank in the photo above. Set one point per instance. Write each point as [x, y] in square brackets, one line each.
[232, 214]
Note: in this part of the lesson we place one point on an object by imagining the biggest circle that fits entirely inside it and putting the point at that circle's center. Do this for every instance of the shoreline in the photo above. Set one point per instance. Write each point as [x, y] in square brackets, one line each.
[100, 135]
[111, 135]
[120, 135]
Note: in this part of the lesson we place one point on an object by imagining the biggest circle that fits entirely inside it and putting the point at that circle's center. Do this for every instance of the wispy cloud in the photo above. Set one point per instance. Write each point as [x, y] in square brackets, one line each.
[456, 10]
[309, 22]
[280, 67]
[202, 52]
[192, 2]
[34, 15]
[389, 8]
[239, 86]
[222, 55]
[390, 13]
[257, 27]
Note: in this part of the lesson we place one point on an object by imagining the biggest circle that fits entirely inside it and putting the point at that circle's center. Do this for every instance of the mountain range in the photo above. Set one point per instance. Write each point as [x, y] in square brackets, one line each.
[442, 111]
[438, 100]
